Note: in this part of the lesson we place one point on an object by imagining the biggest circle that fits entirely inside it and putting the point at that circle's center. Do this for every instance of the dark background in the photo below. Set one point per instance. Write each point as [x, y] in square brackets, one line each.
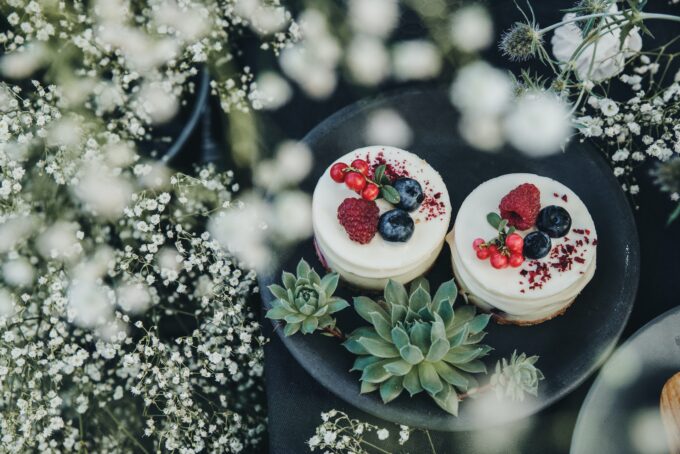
[295, 400]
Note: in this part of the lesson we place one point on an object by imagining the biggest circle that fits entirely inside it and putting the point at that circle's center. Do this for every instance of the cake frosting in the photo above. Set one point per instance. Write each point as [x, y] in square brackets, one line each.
[538, 289]
[371, 265]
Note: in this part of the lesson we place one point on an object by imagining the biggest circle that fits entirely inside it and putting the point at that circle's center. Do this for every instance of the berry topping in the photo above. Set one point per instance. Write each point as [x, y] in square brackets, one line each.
[359, 217]
[499, 261]
[370, 192]
[410, 193]
[483, 253]
[396, 225]
[338, 172]
[477, 243]
[536, 245]
[516, 260]
[554, 220]
[521, 206]
[514, 243]
[355, 181]
[360, 166]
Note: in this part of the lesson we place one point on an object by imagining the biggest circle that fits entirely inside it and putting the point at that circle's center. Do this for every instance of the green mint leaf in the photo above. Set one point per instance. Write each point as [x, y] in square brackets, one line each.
[380, 173]
[502, 225]
[494, 219]
[390, 194]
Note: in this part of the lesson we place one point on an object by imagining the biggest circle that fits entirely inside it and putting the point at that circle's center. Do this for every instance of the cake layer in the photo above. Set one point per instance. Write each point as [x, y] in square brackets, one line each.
[380, 260]
[539, 288]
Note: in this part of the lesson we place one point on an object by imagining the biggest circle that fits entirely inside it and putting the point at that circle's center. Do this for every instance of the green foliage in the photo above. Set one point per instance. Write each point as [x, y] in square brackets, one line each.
[418, 343]
[306, 301]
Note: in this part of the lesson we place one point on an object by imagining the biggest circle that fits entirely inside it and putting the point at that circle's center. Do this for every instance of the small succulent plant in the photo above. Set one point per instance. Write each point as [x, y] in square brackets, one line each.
[419, 343]
[306, 301]
[516, 377]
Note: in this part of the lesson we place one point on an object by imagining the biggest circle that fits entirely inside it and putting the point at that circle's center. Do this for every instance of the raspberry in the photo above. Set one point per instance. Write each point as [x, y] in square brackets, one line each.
[521, 206]
[359, 217]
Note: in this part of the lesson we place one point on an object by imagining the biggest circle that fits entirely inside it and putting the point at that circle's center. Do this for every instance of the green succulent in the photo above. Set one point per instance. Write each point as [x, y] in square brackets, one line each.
[513, 378]
[419, 343]
[306, 301]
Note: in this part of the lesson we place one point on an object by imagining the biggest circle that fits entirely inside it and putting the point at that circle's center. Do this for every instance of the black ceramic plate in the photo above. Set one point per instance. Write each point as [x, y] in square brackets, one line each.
[621, 412]
[571, 346]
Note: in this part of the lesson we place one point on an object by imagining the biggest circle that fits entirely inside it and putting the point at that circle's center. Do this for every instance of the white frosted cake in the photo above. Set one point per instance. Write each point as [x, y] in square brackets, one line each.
[366, 235]
[551, 266]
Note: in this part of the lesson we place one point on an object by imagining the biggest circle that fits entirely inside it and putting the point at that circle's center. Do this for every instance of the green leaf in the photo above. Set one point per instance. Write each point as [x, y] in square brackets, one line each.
[375, 373]
[437, 350]
[674, 215]
[420, 282]
[429, 379]
[463, 315]
[451, 375]
[307, 309]
[382, 326]
[315, 279]
[411, 354]
[390, 194]
[420, 336]
[446, 292]
[474, 367]
[363, 361]
[397, 313]
[398, 367]
[336, 304]
[458, 338]
[447, 400]
[437, 331]
[494, 219]
[475, 338]
[288, 280]
[367, 387]
[462, 354]
[329, 283]
[391, 389]
[294, 318]
[278, 291]
[503, 224]
[412, 382]
[445, 311]
[290, 329]
[302, 268]
[378, 348]
[400, 337]
[325, 321]
[355, 347]
[379, 173]
[395, 293]
[277, 313]
[419, 299]
[309, 325]
[478, 323]
[364, 306]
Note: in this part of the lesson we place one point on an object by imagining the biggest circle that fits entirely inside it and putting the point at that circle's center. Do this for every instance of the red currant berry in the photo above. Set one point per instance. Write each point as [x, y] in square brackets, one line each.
[355, 181]
[493, 249]
[516, 260]
[514, 242]
[477, 243]
[499, 261]
[361, 166]
[338, 171]
[370, 192]
[483, 253]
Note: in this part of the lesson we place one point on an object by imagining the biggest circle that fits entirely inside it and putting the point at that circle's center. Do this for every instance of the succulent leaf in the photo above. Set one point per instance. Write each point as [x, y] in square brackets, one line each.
[336, 304]
[367, 387]
[289, 280]
[278, 291]
[420, 343]
[329, 283]
[303, 268]
[291, 328]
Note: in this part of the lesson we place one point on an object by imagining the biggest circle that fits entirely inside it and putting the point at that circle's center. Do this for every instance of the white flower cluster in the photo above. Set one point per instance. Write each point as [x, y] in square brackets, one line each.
[637, 129]
[535, 121]
[339, 433]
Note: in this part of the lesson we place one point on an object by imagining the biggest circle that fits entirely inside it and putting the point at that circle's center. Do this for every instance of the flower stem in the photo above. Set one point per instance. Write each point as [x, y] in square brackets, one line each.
[429, 439]
[335, 332]
[642, 16]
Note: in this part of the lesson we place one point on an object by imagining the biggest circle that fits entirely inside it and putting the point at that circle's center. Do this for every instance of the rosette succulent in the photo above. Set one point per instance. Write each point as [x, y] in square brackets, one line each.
[306, 301]
[418, 342]
[513, 378]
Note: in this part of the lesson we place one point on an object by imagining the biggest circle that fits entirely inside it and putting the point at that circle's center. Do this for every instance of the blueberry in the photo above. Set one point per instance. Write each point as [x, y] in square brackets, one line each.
[396, 225]
[536, 245]
[410, 193]
[554, 220]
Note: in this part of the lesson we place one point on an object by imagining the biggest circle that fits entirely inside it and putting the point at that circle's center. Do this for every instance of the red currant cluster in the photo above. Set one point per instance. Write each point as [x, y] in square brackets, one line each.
[355, 176]
[501, 251]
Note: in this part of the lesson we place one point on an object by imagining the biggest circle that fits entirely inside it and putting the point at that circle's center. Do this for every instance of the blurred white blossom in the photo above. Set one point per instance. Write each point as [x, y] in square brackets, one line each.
[374, 17]
[387, 127]
[471, 28]
[368, 60]
[273, 90]
[416, 59]
[481, 89]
